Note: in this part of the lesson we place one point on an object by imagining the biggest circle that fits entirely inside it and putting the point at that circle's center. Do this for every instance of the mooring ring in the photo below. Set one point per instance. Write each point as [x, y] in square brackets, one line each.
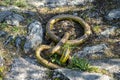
[44, 61]
[52, 21]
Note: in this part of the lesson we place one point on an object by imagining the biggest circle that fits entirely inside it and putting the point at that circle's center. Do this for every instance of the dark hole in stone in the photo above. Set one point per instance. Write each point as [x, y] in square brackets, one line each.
[65, 25]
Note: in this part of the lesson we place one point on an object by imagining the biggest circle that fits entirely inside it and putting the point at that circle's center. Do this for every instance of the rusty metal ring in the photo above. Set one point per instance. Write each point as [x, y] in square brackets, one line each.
[51, 51]
[64, 39]
[44, 61]
[77, 41]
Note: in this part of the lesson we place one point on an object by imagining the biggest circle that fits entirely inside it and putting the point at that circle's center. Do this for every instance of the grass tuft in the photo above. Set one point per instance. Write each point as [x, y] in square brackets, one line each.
[20, 3]
[83, 65]
[79, 63]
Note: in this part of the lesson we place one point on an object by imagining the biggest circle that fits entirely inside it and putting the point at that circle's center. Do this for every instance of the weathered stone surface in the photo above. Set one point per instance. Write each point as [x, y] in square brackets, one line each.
[94, 52]
[109, 32]
[111, 65]
[114, 14]
[18, 42]
[117, 75]
[55, 3]
[3, 33]
[78, 75]
[1, 61]
[3, 8]
[4, 14]
[14, 19]
[26, 69]
[34, 37]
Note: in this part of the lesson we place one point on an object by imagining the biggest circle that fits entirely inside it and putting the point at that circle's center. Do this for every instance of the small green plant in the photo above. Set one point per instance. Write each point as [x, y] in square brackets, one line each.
[55, 59]
[5, 2]
[83, 65]
[29, 20]
[65, 51]
[1, 72]
[1, 69]
[3, 25]
[20, 3]
[96, 29]
[15, 29]
[79, 63]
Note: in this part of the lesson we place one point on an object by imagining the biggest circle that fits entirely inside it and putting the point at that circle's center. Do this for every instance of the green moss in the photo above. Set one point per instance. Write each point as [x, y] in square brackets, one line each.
[29, 20]
[15, 29]
[2, 68]
[5, 2]
[97, 29]
[98, 70]
[3, 25]
[1, 78]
